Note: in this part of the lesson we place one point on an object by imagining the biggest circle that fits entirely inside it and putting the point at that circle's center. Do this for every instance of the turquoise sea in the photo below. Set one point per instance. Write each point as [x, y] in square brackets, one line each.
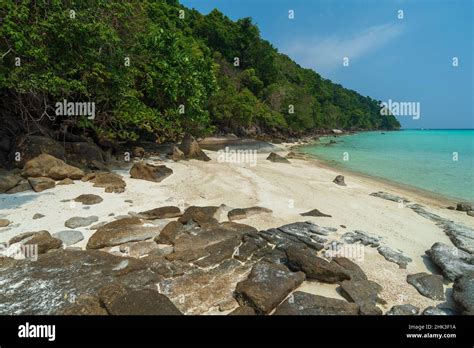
[440, 161]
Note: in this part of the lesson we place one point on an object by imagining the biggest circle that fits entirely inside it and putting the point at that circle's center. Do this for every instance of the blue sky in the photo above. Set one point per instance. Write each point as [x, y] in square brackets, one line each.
[405, 60]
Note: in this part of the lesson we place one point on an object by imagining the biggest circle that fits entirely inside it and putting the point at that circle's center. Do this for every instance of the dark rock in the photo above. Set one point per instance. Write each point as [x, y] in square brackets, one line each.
[302, 303]
[38, 216]
[464, 206]
[307, 261]
[405, 309]
[463, 293]
[395, 256]
[200, 215]
[452, 261]
[88, 199]
[470, 213]
[40, 184]
[355, 272]
[389, 197]
[169, 233]
[22, 186]
[8, 181]
[307, 229]
[429, 285]
[39, 287]
[438, 311]
[42, 239]
[32, 146]
[48, 166]
[78, 221]
[243, 213]
[150, 172]
[315, 212]
[84, 305]
[274, 157]
[120, 232]
[191, 150]
[364, 293]
[69, 237]
[243, 310]
[85, 154]
[143, 302]
[109, 293]
[266, 286]
[362, 237]
[339, 180]
[160, 213]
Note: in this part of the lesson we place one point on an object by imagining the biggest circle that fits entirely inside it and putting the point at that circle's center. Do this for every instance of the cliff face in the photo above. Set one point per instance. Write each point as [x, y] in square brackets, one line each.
[162, 69]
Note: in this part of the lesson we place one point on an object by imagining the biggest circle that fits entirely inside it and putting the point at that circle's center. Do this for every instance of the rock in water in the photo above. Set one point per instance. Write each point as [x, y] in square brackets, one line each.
[149, 172]
[306, 260]
[274, 157]
[429, 285]
[48, 166]
[160, 213]
[315, 212]
[452, 261]
[463, 293]
[406, 309]
[42, 239]
[41, 183]
[69, 237]
[339, 180]
[464, 206]
[88, 199]
[266, 286]
[191, 149]
[143, 302]
[78, 221]
[395, 256]
[302, 303]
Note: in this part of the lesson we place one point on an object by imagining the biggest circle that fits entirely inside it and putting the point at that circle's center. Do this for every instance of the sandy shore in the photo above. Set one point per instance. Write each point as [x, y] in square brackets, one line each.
[287, 189]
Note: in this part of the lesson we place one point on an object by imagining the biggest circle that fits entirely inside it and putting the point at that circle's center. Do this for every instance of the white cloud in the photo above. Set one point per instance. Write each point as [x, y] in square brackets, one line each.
[325, 54]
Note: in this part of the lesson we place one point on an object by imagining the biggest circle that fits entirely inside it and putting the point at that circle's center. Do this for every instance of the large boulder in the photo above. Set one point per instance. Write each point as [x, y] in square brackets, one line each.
[41, 183]
[302, 303]
[429, 285]
[84, 154]
[191, 150]
[48, 166]
[8, 180]
[463, 293]
[31, 146]
[150, 172]
[267, 285]
[122, 231]
[452, 261]
[306, 260]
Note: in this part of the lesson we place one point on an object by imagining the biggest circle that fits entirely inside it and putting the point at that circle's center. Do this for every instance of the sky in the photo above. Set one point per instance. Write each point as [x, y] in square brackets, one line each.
[407, 60]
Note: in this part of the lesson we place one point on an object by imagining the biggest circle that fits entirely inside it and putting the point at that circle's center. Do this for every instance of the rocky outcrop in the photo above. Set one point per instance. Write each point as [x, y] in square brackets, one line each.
[145, 171]
[191, 150]
[122, 231]
[305, 260]
[88, 199]
[405, 309]
[243, 213]
[274, 157]
[429, 285]
[48, 166]
[463, 293]
[41, 183]
[395, 256]
[452, 261]
[266, 286]
[339, 180]
[302, 303]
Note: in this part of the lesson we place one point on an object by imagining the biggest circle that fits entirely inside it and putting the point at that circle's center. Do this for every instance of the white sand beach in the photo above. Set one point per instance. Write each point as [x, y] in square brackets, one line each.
[287, 189]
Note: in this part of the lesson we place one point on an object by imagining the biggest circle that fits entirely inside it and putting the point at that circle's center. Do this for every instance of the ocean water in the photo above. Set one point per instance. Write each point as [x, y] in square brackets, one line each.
[440, 161]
